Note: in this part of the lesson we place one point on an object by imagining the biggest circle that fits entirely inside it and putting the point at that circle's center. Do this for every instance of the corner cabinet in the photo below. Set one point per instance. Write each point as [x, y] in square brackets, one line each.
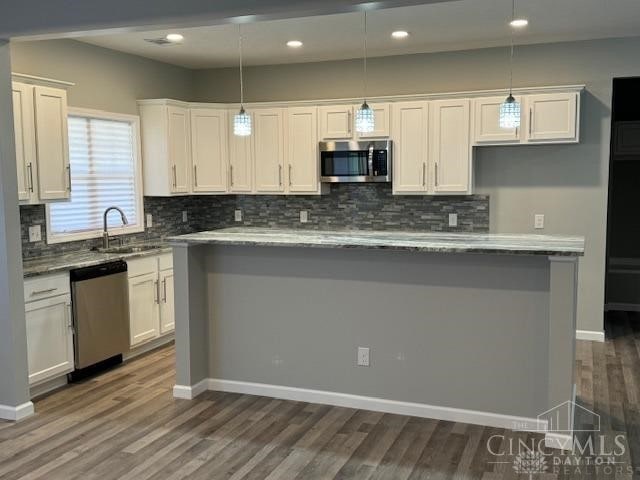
[49, 327]
[151, 311]
[42, 143]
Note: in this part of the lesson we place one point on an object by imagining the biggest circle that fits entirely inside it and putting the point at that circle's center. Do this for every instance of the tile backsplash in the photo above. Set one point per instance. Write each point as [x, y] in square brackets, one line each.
[347, 206]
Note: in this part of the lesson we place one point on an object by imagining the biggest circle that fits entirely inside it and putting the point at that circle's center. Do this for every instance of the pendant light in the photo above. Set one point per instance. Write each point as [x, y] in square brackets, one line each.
[510, 108]
[365, 119]
[242, 120]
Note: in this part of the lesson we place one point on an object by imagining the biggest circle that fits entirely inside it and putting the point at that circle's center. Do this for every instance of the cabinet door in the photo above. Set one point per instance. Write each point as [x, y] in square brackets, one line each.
[209, 150]
[269, 150]
[144, 310]
[487, 130]
[553, 117]
[25, 140]
[167, 308]
[382, 124]
[49, 338]
[450, 146]
[240, 160]
[302, 141]
[410, 128]
[336, 122]
[52, 143]
[179, 148]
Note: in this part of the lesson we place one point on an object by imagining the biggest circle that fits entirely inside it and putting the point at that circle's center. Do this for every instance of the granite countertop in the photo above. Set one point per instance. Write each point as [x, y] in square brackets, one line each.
[33, 267]
[511, 244]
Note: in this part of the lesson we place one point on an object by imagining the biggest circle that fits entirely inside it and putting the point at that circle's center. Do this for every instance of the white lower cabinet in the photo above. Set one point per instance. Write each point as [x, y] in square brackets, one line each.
[49, 327]
[151, 310]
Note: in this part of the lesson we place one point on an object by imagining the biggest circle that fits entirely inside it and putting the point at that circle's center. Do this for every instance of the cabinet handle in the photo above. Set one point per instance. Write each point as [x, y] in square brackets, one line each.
[42, 292]
[424, 174]
[70, 325]
[231, 175]
[30, 169]
[517, 132]
[175, 176]
[164, 290]
[280, 175]
[195, 175]
[156, 286]
[530, 120]
[436, 175]
[69, 177]
[289, 174]
[349, 122]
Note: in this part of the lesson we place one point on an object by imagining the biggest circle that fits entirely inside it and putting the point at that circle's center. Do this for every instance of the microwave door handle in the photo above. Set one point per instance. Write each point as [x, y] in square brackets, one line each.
[370, 162]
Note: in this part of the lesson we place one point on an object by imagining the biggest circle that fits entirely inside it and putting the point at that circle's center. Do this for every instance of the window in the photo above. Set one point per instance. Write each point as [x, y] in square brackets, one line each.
[104, 153]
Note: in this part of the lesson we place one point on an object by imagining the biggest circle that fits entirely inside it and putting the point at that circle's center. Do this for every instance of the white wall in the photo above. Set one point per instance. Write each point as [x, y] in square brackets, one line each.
[567, 183]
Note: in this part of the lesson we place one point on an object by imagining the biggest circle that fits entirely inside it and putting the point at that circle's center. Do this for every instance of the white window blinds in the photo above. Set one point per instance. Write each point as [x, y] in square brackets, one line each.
[104, 171]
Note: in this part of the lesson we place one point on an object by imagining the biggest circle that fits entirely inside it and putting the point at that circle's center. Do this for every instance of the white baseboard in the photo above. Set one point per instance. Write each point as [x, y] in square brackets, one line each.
[360, 402]
[16, 413]
[186, 392]
[559, 441]
[591, 335]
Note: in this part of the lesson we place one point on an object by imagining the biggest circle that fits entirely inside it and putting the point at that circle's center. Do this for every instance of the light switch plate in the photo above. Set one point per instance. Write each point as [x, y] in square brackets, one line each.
[538, 221]
[363, 356]
[453, 219]
[304, 216]
[185, 217]
[238, 215]
[35, 233]
[149, 220]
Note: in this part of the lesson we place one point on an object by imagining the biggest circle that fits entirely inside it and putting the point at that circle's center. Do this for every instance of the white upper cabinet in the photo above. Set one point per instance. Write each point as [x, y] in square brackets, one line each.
[450, 146]
[166, 148]
[52, 143]
[487, 130]
[410, 156]
[209, 150]
[302, 153]
[179, 148]
[240, 160]
[336, 122]
[553, 117]
[269, 150]
[24, 128]
[382, 121]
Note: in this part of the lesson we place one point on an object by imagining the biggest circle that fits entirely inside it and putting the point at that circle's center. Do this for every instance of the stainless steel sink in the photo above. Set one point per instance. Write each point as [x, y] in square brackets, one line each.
[129, 249]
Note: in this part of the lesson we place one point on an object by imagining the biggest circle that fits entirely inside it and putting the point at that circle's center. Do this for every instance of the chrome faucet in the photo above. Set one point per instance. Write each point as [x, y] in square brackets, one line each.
[105, 233]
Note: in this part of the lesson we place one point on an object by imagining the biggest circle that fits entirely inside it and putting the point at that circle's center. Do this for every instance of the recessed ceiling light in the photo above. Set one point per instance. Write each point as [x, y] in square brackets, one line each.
[400, 34]
[174, 37]
[519, 22]
[294, 43]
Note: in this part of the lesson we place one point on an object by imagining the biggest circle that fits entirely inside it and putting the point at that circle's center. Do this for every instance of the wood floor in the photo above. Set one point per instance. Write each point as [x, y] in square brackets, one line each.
[126, 425]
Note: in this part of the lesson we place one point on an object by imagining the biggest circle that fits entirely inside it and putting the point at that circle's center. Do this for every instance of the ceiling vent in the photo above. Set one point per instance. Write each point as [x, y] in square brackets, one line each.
[162, 41]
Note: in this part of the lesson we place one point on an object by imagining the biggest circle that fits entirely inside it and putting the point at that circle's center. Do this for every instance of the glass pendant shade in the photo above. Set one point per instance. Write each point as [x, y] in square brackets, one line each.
[365, 119]
[510, 113]
[242, 124]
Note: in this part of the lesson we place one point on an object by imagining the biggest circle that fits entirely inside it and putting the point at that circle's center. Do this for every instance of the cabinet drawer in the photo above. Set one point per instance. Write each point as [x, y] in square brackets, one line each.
[142, 266]
[46, 287]
[166, 261]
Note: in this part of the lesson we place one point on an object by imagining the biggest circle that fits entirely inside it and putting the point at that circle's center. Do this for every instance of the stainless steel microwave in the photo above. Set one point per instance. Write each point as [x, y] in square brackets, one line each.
[342, 162]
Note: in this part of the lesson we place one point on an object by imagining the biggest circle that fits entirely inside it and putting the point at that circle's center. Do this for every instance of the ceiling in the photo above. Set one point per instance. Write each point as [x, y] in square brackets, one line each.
[454, 25]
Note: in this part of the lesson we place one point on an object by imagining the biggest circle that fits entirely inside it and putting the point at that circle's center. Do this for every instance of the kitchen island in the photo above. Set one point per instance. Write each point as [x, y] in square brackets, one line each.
[475, 328]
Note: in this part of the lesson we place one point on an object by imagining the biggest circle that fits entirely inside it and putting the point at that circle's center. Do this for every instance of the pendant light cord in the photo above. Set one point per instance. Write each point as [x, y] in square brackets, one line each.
[241, 79]
[513, 16]
[365, 57]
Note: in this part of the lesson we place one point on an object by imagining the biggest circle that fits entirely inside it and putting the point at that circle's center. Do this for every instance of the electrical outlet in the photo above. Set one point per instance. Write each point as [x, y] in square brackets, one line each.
[185, 218]
[453, 219]
[538, 221]
[35, 233]
[363, 356]
[149, 220]
[304, 216]
[238, 215]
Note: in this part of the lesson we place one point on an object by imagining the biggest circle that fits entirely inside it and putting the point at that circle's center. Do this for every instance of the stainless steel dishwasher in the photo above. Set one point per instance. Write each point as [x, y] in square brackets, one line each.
[100, 299]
